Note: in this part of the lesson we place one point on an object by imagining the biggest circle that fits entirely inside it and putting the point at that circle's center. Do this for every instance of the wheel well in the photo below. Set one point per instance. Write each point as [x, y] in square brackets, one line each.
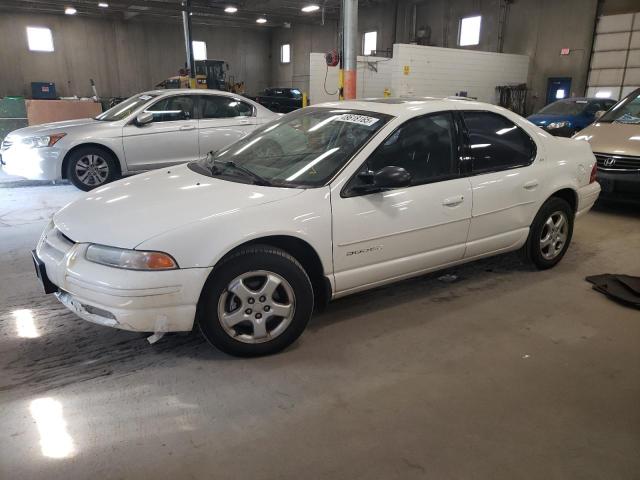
[65, 161]
[570, 196]
[308, 258]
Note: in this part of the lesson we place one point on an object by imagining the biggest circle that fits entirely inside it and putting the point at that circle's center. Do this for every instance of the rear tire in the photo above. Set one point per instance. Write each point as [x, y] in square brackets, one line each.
[91, 167]
[257, 302]
[550, 234]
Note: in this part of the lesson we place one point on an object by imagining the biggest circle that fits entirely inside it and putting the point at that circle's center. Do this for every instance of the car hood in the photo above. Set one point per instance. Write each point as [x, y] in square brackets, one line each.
[128, 212]
[542, 120]
[55, 127]
[613, 138]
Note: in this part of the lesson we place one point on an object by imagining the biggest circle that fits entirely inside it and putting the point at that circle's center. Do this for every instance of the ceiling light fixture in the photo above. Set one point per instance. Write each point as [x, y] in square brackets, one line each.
[310, 8]
[70, 11]
[231, 9]
[103, 5]
[261, 20]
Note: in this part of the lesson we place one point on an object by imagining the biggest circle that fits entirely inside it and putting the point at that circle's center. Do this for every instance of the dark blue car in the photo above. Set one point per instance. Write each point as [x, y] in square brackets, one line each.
[566, 117]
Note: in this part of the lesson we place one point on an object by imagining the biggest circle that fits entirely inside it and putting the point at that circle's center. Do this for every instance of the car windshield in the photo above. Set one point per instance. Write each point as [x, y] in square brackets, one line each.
[565, 107]
[124, 109]
[302, 149]
[625, 111]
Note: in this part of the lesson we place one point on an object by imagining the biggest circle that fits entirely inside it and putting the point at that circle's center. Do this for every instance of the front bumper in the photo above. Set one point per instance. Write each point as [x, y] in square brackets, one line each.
[566, 132]
[33, 163]
[623, 186]
[142, 301]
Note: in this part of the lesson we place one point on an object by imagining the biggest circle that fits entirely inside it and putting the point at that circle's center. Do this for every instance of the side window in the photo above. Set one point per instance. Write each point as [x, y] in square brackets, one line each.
[179, 107]
[214, 106]
[497, 143]
[423, 146]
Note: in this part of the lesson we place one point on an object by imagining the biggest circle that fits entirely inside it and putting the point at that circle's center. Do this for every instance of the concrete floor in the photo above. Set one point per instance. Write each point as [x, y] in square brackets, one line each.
[505, 373]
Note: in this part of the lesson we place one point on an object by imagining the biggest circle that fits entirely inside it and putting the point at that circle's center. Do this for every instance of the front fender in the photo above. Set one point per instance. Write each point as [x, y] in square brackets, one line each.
[203, 243]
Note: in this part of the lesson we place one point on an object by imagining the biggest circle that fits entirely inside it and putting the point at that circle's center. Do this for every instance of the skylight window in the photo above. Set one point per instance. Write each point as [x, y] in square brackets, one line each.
[40, 39]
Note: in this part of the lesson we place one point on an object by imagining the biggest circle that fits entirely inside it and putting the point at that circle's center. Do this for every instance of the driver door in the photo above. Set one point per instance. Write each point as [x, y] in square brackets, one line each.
[171, 138]
[391, 234]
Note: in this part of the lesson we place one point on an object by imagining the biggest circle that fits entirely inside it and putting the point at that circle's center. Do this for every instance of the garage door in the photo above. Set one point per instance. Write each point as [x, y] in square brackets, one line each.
[615, 63]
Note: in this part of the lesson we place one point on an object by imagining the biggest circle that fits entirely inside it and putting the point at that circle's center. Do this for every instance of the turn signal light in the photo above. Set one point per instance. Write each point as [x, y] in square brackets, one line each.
[159, 261]
[594, 173]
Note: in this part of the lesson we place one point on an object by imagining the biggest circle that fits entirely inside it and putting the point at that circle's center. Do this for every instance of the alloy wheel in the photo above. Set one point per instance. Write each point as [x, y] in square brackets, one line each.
[92, 170]
[553, 238]
[256, 307]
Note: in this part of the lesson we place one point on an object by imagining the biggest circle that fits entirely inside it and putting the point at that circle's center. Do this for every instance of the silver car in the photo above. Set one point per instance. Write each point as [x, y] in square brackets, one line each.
[149, 130]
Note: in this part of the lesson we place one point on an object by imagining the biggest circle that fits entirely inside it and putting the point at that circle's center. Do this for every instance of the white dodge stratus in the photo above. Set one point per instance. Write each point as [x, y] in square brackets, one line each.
[322, 203]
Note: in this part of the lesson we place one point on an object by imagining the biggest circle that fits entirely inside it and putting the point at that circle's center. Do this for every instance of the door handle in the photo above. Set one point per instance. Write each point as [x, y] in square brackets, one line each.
[453, 201]
[187, 127]
[531, 185]
[244, 122]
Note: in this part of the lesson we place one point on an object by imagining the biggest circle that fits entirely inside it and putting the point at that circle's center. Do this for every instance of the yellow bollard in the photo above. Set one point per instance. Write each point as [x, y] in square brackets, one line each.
[305, 99]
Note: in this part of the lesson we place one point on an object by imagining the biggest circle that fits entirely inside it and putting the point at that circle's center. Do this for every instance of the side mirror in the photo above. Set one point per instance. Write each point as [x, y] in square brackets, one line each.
[144, 118]
[384, 179]
[599, 113]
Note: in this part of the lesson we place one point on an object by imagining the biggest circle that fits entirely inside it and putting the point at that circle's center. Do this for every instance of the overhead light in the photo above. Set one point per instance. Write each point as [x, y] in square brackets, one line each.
[231, 9]
[310, 8]
[261, 20]
[103, 5]
[70, 11]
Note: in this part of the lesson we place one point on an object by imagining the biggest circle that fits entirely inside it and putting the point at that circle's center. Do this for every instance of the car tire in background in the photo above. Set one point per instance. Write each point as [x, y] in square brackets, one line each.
[256, 302]
[550, 234]
[91, 167]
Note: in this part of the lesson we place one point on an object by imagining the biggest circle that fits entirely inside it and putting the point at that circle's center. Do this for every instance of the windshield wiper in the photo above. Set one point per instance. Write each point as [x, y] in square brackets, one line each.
[257, 179]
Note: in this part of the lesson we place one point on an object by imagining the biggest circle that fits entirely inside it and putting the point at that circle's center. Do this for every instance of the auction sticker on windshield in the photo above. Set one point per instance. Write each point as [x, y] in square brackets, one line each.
[359, 119]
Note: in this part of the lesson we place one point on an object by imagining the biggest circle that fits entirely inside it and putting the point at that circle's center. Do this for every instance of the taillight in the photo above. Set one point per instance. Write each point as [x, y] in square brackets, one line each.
[594, 173]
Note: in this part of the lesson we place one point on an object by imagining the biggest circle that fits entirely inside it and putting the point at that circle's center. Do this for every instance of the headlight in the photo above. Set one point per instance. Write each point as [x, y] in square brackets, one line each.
[130, 259]
[43, 141]
[555, 125]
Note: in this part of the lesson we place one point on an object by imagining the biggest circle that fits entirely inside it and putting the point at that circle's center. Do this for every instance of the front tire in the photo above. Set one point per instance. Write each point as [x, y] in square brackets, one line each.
[91, 167]
[550, 234]
[257, 302]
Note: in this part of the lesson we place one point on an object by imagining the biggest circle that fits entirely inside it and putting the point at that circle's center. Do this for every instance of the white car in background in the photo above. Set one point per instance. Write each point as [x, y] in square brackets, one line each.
[327, 201]
[150, 130]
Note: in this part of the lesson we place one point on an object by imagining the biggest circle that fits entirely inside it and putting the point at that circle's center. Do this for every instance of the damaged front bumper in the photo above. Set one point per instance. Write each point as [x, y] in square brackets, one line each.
[142, 301]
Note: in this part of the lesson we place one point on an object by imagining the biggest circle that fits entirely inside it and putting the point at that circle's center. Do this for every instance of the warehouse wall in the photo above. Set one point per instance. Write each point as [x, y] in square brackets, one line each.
[303, 39]
[122, 57]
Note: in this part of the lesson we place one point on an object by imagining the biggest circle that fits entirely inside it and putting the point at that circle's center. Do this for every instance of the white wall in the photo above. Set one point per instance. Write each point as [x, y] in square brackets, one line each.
[374, 75]
[441, 72]
[433, 71]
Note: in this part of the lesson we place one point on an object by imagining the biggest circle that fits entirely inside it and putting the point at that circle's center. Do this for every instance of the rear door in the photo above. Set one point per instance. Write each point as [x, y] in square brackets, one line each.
[223, 120]
[171, 138]
[506, 186]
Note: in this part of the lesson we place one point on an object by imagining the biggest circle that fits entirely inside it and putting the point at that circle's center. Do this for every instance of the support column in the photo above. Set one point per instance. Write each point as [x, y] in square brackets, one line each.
[350, 46]
[188, 43]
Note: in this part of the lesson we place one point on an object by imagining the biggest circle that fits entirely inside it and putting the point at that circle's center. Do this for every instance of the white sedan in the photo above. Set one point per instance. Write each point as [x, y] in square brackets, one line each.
[324, 202]
[150, 130]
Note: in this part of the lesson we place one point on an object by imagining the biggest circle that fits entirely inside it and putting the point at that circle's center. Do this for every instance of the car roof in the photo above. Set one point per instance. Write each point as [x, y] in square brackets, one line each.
[199, 91]
[411, 106]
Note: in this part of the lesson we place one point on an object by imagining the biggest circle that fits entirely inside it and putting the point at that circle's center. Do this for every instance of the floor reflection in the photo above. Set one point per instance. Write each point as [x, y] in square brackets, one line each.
[55, 441]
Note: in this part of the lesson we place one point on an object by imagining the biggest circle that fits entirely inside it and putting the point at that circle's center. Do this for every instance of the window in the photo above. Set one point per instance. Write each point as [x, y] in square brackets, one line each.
[179, 107]
[304, 148]
[199, 50]
[214, 106]
[469, 31]
[370, 43]
[126, 108]
[39, 39]
[496, 143]
[285, 53]
[423, 146]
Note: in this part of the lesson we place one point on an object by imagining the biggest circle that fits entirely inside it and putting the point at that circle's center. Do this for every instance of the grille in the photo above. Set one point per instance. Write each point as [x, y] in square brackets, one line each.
[620, 163]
